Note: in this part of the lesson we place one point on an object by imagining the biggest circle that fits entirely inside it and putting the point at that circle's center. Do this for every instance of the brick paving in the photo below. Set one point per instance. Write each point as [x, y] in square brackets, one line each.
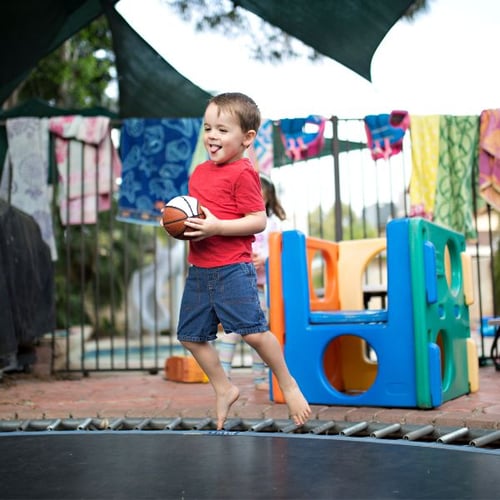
[141, 395]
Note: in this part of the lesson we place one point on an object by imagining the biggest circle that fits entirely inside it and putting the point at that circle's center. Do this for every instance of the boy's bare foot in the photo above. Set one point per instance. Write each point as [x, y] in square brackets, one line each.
[224, 403]
[298, 407]
[262, 386]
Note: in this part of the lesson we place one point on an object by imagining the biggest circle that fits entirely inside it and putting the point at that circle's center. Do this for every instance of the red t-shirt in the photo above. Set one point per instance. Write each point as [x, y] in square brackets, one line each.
[229, 191]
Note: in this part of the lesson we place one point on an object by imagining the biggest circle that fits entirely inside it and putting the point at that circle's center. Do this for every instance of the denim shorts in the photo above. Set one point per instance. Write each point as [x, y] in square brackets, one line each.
[227, 295]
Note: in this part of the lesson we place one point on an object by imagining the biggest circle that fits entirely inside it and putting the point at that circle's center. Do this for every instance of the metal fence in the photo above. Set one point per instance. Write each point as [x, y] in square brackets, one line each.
[118, 285]
[347, 195]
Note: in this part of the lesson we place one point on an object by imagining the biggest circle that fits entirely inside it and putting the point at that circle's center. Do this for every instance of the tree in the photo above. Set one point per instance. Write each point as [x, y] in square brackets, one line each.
[322, 225]
[75, 75]
[93, 269]
[267, 42]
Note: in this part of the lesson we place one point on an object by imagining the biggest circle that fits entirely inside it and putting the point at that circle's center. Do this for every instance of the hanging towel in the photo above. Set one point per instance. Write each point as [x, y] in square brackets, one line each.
[458, 146]
[87, 164]
[489, 157]
[385, 133]
[424, 133]
[261, 152]
[302, 138]
[157, 156]
[28, 159]
[200, 154]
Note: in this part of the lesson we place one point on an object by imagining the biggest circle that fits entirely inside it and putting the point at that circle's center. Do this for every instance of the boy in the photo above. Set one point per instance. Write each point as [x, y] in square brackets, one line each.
[221, 286]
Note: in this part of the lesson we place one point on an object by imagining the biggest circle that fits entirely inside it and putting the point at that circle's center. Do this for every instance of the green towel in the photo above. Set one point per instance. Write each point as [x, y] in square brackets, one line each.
[458, 154]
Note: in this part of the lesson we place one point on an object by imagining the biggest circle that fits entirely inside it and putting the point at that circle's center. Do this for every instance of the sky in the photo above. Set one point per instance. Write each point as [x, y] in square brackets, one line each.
[444, 62]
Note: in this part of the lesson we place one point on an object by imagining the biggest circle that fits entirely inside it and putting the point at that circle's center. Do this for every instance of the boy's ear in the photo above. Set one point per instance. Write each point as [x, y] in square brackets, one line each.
[249, 138]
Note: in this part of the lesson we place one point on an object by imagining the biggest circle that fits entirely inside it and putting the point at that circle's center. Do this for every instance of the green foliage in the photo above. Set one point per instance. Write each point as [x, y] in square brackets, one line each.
[93, 269]
[93, 263]
[322, 225]
[267, 43]
[417, 7]
[77, 74]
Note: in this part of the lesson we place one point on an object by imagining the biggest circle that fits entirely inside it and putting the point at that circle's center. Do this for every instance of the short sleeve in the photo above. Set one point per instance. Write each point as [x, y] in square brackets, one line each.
[248, 192]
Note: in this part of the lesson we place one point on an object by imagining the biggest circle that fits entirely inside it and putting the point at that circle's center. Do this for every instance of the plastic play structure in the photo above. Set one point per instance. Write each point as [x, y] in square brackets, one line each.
[416, 351]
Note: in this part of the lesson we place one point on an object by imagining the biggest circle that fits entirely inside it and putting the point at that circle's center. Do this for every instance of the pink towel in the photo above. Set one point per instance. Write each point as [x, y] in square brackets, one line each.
[489, 157]
[88, 165]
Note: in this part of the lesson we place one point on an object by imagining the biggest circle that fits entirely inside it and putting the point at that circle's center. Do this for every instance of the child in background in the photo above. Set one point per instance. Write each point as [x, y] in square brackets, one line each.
[221, 285]
[226, 344]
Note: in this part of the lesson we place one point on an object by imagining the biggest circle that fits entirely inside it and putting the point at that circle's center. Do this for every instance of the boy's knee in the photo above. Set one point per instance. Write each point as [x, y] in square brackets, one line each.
[253, 339]
[187, 344]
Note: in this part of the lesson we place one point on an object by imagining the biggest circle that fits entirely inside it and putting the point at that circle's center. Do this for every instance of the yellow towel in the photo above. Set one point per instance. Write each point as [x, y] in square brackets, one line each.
[424, 133]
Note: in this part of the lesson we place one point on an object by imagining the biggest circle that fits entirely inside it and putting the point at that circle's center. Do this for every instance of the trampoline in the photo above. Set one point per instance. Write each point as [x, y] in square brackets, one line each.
[187, 465]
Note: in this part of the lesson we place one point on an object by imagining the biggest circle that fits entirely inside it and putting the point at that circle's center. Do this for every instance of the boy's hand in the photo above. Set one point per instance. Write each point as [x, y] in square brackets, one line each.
[199, 229]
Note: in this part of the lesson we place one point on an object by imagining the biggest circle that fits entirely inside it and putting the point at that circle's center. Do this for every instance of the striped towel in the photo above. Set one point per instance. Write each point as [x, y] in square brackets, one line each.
[88, 166]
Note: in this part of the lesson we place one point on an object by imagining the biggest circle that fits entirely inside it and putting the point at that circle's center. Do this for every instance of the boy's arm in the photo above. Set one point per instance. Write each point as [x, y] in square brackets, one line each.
[251, 223]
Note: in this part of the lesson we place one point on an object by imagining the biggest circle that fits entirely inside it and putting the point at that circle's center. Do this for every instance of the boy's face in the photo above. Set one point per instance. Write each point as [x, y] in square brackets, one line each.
[223, 138]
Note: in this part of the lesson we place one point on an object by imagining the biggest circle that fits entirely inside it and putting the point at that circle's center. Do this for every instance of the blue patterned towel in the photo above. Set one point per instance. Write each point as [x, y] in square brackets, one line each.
[156, 158]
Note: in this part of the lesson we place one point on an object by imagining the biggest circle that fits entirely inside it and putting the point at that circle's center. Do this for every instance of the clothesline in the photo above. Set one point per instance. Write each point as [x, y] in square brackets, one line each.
[118, 122]
[158, 155]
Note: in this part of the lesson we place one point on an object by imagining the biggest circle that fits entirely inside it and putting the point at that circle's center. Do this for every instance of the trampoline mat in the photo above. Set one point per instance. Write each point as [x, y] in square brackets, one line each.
[233, 465]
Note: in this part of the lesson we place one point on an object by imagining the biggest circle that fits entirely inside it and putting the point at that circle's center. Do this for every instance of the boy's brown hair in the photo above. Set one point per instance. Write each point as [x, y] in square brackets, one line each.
[241, 106]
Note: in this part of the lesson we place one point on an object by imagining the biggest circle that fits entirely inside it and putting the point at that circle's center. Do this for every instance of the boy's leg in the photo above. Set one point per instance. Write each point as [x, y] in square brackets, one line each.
[226, 346]
[269, 349]
[225, 392]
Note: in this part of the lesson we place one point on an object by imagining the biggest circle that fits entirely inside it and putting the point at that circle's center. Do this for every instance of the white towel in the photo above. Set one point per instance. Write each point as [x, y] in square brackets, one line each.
[28, 160]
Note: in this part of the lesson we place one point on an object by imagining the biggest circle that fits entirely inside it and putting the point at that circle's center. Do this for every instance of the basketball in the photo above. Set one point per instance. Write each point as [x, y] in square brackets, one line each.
[176, 211]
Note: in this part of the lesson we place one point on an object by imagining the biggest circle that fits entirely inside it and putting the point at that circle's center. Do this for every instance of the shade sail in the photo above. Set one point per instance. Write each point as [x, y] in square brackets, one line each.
[32, 29]
[348, 31]
[149, 85]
